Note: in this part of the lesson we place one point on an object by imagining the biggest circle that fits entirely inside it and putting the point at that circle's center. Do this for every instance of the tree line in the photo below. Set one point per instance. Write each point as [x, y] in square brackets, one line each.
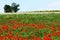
[12, 8]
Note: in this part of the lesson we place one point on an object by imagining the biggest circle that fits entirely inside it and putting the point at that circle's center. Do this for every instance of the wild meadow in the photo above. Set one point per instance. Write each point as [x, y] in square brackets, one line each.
[30, 26]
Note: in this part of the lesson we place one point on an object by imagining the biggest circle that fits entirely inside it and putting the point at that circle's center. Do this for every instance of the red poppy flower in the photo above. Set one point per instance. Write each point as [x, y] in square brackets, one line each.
[54, 33]
[9, 35]
[57, 27]
[15, 26]
[48, 35]
[1, 37]
[30, 24]
[58, 33]
[15, 37]
[34, 38]
[26, 38]
[4, 37]
[5, 27]
[47, 38]
[43, 26]
[24, 23]
[21, 38]
[38, 38]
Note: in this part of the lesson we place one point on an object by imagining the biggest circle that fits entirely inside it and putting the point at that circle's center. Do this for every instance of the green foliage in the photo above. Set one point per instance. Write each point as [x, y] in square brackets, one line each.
[15, 7]
[7, 8]
[12, 8]
[25, 34]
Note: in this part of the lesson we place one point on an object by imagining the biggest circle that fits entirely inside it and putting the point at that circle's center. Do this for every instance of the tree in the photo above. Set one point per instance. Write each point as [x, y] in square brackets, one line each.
[7, 8]
[15, 7]
[12, 8]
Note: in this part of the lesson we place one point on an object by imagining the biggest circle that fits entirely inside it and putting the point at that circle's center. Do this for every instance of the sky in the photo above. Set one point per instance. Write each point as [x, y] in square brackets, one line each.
[32, 5]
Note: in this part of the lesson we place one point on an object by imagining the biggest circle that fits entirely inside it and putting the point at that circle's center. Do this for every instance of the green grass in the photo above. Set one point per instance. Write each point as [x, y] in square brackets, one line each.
[30, 18]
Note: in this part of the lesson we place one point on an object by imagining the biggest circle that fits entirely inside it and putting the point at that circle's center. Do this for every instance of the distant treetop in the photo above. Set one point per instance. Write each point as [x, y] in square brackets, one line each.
[12, 8]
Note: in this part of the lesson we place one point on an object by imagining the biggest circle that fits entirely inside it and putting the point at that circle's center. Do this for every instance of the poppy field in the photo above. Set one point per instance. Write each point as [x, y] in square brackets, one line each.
[30, 27]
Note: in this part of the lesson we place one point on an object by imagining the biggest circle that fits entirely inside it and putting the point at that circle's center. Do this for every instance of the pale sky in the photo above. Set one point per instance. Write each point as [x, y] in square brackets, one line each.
[31, 5]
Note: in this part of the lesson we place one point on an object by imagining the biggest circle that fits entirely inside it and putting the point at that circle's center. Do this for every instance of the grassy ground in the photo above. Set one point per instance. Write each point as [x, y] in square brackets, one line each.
[43, 26]
[31, 17]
